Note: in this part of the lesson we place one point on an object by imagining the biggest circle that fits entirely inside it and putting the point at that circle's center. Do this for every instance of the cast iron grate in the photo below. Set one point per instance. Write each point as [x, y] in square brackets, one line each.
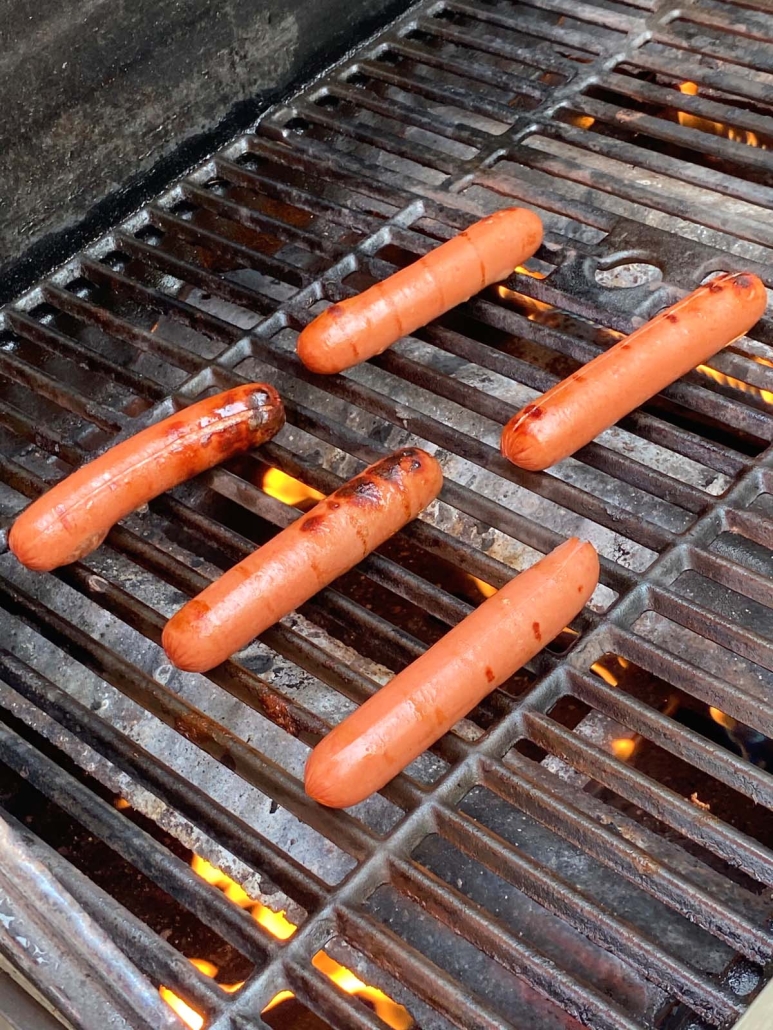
[590, 847]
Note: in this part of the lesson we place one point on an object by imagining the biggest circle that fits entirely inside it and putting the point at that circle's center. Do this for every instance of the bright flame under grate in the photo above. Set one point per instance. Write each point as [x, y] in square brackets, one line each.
[736, 384]
[692, 121]
[292, 491]
[277, 923]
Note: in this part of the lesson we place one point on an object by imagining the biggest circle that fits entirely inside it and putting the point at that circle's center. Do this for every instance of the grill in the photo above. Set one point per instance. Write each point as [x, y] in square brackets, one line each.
[592, 846]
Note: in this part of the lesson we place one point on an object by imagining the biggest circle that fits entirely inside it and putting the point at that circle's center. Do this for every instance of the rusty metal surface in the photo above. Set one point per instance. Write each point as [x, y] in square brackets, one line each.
[525, 873]
[65, 953]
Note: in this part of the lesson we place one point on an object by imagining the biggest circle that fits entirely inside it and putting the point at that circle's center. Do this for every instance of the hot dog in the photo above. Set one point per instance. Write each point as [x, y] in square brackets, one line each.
[424, 701]
[320, 546]
[74, 517]
[354, 330]
[599, 394]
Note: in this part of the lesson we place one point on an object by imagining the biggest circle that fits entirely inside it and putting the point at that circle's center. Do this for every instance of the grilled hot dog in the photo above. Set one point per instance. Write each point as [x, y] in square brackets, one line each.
[424, 701]
[600, 393]
[354, 330]
[320, 546]
[72, 518]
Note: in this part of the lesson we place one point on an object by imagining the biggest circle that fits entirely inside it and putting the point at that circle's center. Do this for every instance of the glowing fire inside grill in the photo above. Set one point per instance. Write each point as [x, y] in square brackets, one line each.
[623, 748]
[535, 310]
[292, 491]
[582, 121]
[736, 384]
[532, 273]
[277, 923]
[692, 121]
[485, 588]
[721, 718]
[606, 674]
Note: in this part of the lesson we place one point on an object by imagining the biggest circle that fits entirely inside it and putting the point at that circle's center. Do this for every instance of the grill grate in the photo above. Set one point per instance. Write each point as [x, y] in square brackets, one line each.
[546, 881]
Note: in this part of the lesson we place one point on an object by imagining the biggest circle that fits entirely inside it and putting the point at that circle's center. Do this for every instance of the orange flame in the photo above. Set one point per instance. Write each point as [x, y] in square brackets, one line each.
[277, 923]
[726, 721]
[535, 310]
[623, 748]
[292, 491]
[582, 121]
[692, 121]
[605, 674]
[189, 1015]
[485, 588]
[532, 273]
[389, 1011]
[736, 384]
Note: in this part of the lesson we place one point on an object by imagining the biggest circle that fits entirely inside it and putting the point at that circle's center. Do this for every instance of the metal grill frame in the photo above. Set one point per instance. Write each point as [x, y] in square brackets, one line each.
[638, 855]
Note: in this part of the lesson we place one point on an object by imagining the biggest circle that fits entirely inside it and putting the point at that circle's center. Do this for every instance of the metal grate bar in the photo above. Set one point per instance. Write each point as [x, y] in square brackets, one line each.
[423, 978]
[176, 791]
[95, 315]
[170, 873]
[215, 328]
[58, 343]
[229, 250]
[426, 428]
[684, 743]
[666, 805]
[738, 700]
[589, 917]
[252, 301]
[578, 998]
[53, 390]
[171, 709]
[637, 856]
[151, 953]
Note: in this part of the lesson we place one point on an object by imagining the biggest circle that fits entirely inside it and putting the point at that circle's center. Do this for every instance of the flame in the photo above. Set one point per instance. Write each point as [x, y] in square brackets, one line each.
[285, 488]
[692, 121]
[207, 968]
[725, 721]
[623, 748]
[277, 923]
[278, 999]
[121, 804]
[582, 121]
[604, 673]
[485, 588]
[188, 1015]
[389, 1011]
[736, 384]
[535, 310]
[523, 270]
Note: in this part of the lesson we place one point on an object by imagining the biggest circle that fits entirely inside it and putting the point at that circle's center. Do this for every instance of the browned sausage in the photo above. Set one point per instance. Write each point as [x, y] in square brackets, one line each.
[302, 559]
[423, 702]
[356, 329]
[73, 518]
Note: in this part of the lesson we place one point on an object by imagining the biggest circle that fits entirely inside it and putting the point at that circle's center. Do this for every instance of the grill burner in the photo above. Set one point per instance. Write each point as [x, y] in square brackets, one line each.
[591, 846]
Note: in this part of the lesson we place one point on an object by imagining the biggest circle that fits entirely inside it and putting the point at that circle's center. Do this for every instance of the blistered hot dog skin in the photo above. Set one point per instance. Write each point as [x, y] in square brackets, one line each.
[353, 330]
[426, 699]
[305, 557]
[72, 518]
[596, 396]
